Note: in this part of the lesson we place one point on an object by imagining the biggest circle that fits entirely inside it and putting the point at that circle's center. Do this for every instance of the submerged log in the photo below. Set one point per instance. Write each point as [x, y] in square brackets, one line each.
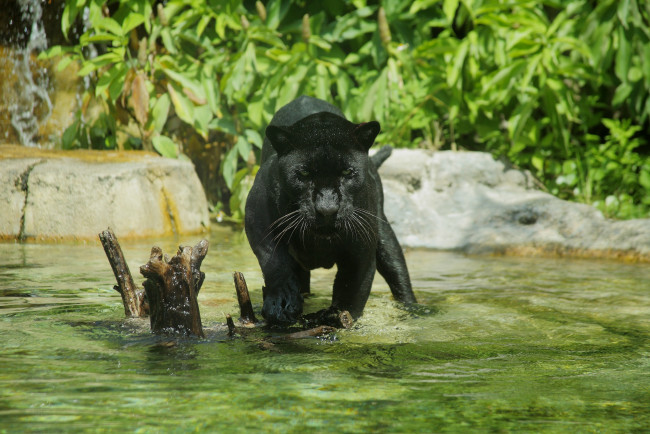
[133, 298]
[313, 332]
[172, 287]
[244, 299]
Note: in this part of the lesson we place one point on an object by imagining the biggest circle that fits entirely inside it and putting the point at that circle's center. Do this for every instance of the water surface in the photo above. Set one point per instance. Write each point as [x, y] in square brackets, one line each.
[498, 344]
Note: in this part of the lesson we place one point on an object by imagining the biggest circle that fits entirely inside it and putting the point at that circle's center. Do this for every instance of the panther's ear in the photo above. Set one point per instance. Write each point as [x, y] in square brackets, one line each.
[280, 138]
[366, 132]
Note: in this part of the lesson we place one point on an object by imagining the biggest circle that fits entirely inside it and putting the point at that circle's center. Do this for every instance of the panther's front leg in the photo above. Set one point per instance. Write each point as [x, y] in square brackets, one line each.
[353, 282]
[283, 286]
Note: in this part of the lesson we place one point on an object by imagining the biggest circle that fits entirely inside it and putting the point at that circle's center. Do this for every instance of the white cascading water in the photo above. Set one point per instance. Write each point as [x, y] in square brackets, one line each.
[29, 104]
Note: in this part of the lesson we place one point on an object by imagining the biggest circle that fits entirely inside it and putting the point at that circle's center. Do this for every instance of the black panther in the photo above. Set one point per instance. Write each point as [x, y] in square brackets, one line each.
[317, 201]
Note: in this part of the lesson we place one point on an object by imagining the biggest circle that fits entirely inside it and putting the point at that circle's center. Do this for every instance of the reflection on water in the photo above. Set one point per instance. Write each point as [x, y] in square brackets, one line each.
[497, 344]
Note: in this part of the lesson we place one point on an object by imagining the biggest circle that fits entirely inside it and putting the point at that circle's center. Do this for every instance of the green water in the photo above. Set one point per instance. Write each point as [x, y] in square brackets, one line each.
[499, 344]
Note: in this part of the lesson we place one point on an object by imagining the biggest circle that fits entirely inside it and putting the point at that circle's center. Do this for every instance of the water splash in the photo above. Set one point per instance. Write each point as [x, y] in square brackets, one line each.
[26, 93]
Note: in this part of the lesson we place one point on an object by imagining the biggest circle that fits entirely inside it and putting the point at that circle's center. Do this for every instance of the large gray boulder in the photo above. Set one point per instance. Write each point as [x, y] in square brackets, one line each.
[55, 197]
[467, 201]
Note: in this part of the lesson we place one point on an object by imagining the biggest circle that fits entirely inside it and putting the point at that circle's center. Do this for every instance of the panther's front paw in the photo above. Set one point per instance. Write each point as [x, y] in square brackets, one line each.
[282, 309]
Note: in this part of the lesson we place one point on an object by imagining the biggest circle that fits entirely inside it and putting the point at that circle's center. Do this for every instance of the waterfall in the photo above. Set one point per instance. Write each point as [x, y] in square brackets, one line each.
[25, 95]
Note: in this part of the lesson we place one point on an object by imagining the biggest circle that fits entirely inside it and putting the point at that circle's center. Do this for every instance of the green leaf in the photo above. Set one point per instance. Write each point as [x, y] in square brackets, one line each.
[374, 101]
[69, 135]
[117, 84]
[622, 92]
[343, 84]
[293, 83]
[182, 105]
[68, 16]
[165, 146]
[455, 68]
[63, 63]
[519, 120]
[254, 137]
[51, 52]
[320, 43]
[211, 94]
[203, 23]
[105, 80]
[147, 13]
[99, 62]
[131, 21]
[224, 125]
[635, 74]
[538, 163]
[275, 11]
[644, 178]
[623, 55]
[160, 112]
[622, 11]
[243, 147]
[449, 8]
[229, 167]
[185, 81]
[87, 39]
[322, 83]
[168, 41]
[256, 110]
[110, 25]
[202, 117]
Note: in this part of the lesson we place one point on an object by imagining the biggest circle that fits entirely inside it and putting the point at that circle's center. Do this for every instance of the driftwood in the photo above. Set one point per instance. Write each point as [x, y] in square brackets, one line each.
[133, 298]
[244, 299]
[316, 331]
[172, 287]
[171, 290]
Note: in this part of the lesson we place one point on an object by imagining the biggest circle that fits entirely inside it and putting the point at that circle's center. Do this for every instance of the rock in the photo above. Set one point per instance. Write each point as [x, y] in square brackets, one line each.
[77, 194]
[469, 202]
[13, 179]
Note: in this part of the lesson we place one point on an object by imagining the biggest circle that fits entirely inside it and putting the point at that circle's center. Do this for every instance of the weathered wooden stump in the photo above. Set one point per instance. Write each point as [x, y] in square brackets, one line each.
[172, 287]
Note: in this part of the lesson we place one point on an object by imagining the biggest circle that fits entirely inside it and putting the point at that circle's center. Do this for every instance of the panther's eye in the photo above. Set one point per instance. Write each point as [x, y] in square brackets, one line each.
[303, 173]
[347, 172]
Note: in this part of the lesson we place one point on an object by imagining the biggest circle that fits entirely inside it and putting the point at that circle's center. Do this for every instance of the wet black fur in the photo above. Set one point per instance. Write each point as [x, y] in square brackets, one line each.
[317, 201]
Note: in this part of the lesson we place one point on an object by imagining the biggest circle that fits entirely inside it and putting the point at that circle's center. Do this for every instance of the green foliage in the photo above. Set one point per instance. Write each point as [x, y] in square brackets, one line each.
[561, 88]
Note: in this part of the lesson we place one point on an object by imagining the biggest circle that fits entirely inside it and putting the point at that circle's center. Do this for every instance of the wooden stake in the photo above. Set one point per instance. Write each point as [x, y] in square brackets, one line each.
[244, 299]
[132, 298]
[231, 325]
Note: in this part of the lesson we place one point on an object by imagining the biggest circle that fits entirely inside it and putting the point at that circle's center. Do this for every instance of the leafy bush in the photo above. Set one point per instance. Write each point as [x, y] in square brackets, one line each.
[558, 87]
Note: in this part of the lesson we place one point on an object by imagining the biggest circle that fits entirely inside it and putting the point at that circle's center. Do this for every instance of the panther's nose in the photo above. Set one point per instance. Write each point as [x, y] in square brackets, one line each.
[327, 203]
[327, 209]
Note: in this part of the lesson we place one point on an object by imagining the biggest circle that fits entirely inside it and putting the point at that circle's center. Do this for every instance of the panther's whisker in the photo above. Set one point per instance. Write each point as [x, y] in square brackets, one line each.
[279, 222]
[362, 229]
[348, 229]
[291, 224]
[366, 227]
[300, 221]
[368, 213]
[303, 230]
[347, 226]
